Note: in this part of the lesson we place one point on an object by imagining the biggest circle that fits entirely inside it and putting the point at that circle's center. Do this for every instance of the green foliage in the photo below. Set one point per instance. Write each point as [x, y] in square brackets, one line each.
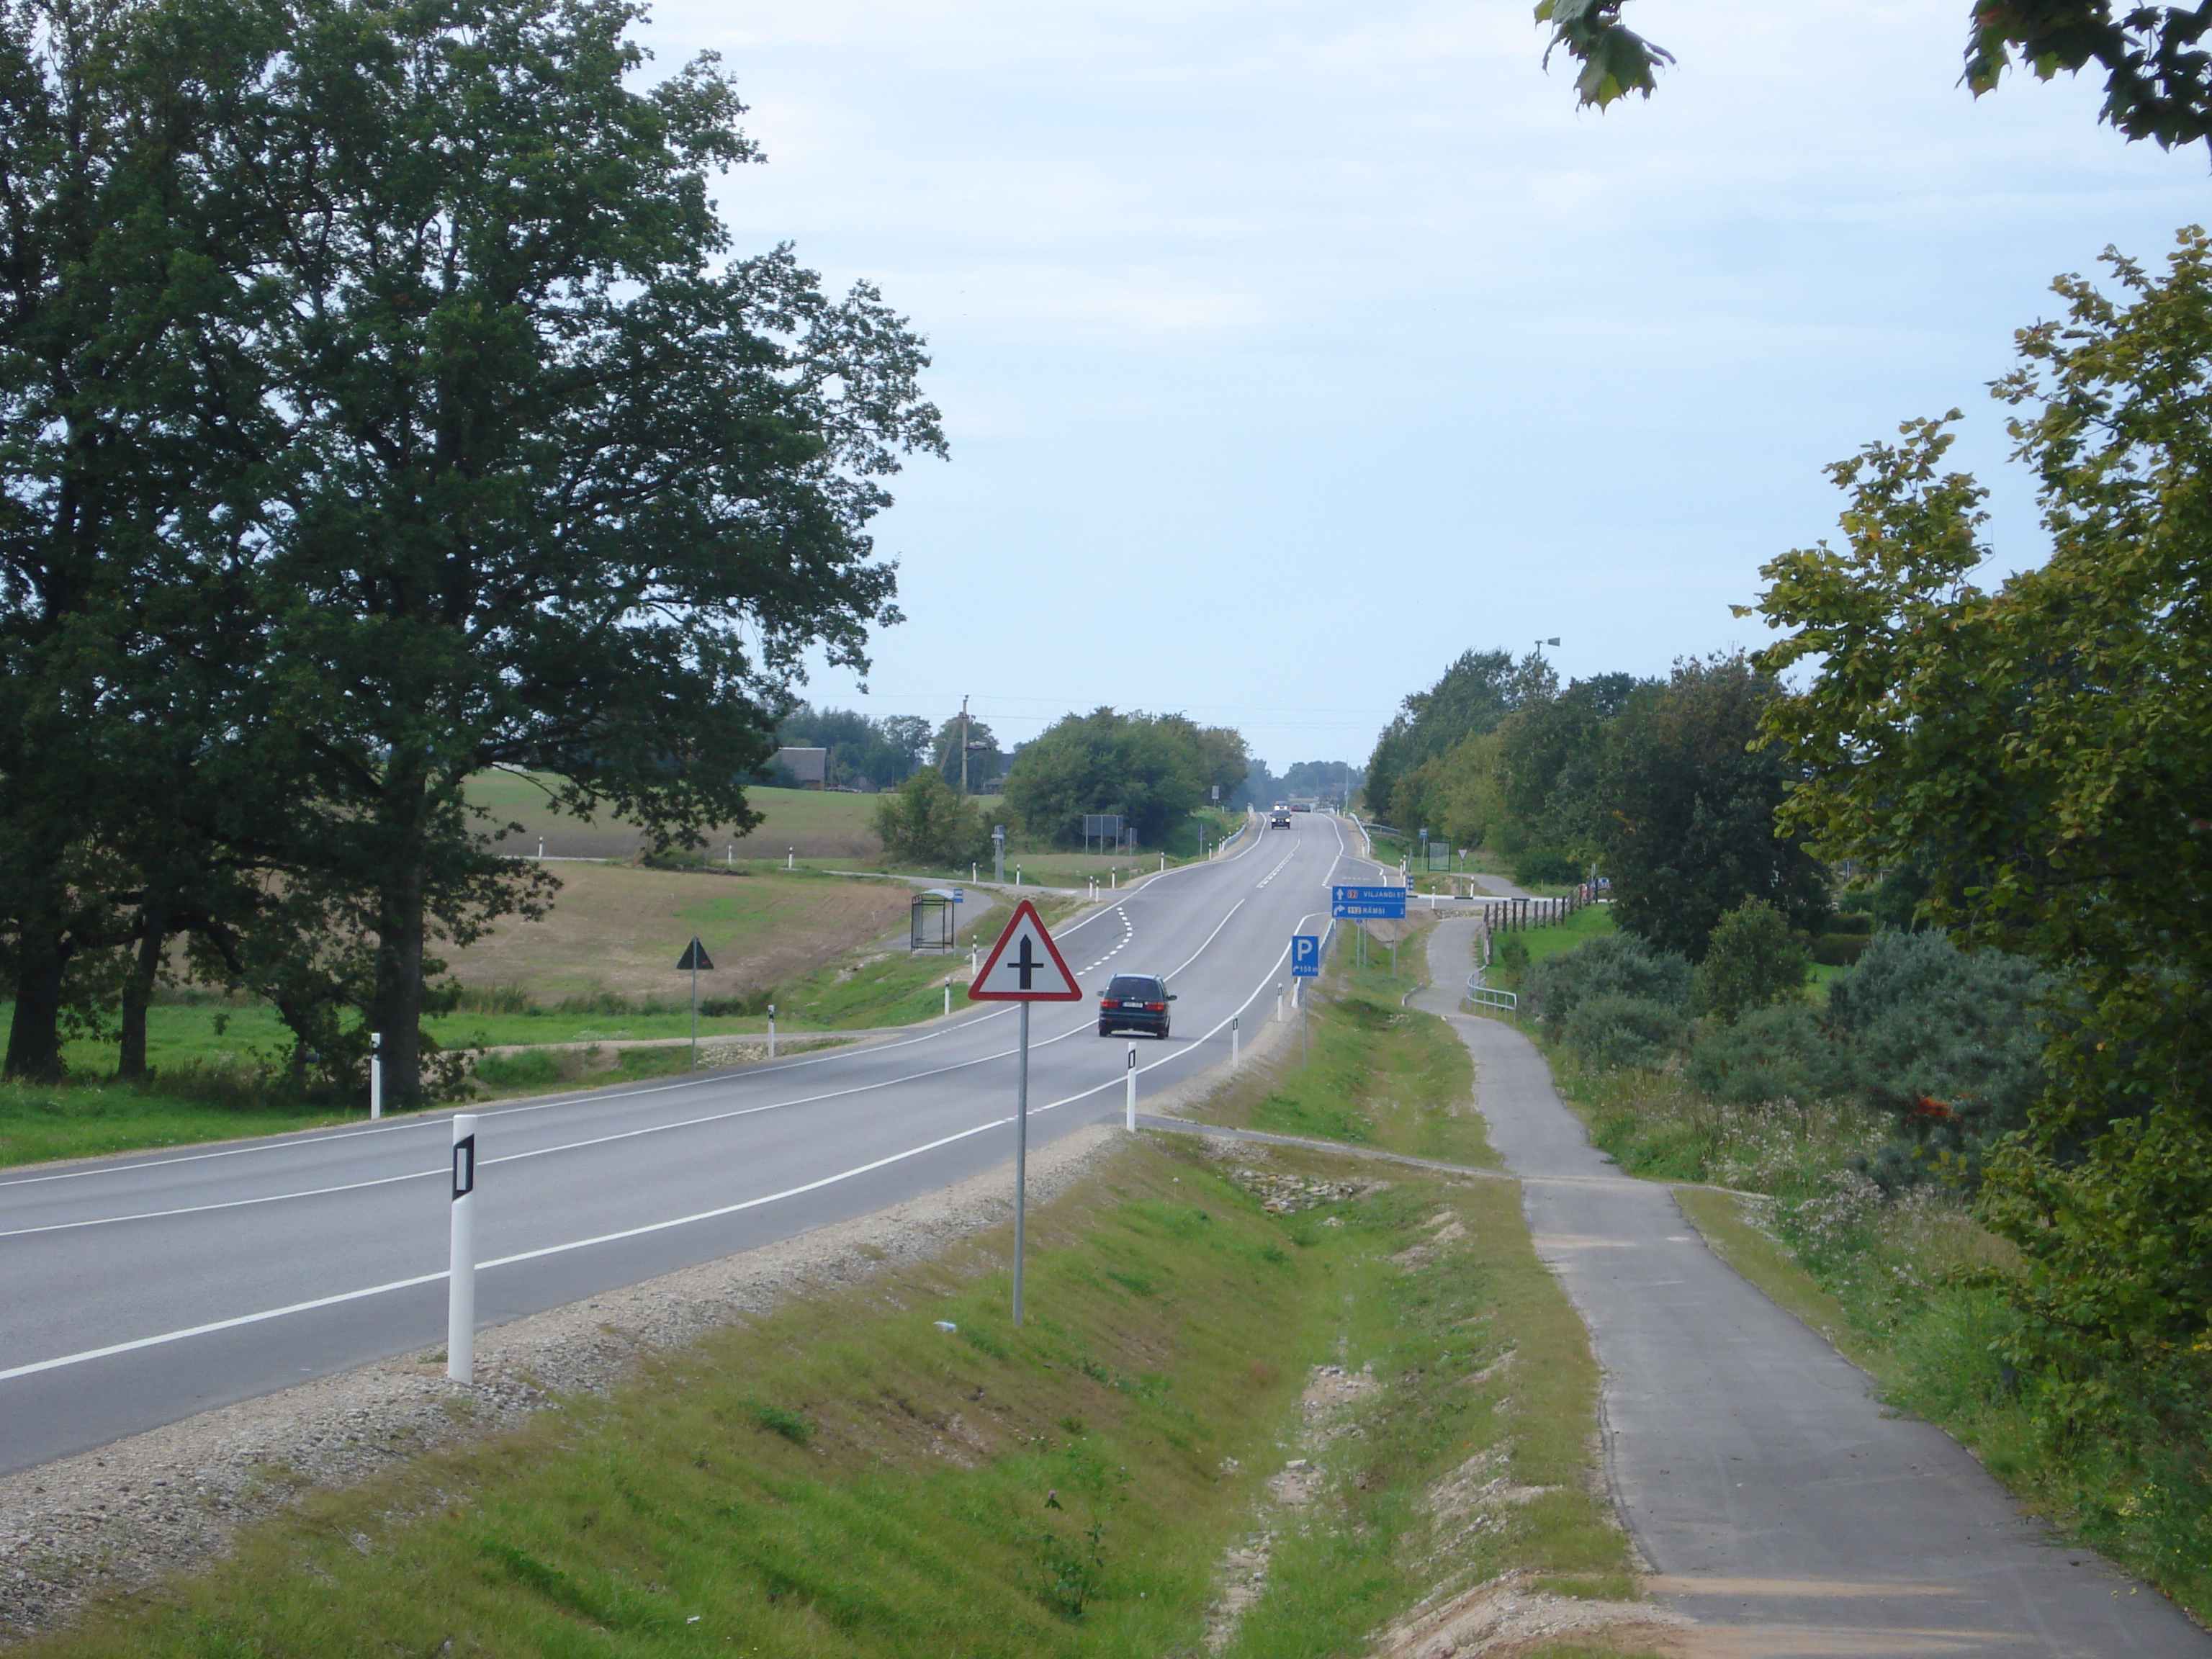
[1612, 965]
[1753, 959]
[1610, 1030]
[1688, 830]
[1948, 1043]
[1474, 694]
[1154, 769]
[2036, 754]
[1510, 954]
[1780, 1053]
[1615, 60]
[1839, 950]
[862, 748]
[2158, 78]
[924, 821]
[563, 484]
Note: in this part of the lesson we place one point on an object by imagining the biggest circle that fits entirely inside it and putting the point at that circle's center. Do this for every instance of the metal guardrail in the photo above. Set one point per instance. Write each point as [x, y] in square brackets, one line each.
[1483, 997]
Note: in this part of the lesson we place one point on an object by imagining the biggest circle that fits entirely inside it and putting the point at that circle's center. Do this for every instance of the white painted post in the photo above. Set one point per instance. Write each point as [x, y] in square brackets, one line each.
[971, 958]
[1163, 863]
[1234, 1043]
[1279, 1007]
[375, 1075]
[948, 996]
[1131, 1070]
[1018, 875]
[541, 846]
[730, 856]
[461, 1266]
[1113, 880]
[971, 871]
[791, 858]
[771, 1030]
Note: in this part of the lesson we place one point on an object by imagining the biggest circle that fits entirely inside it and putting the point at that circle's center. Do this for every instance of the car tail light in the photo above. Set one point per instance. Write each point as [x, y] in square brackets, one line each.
[1156, 1007]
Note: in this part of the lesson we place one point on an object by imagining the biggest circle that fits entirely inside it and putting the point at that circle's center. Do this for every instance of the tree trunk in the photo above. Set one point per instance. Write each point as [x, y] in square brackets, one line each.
[138, 995]
[398, 1003]
[34, 1035]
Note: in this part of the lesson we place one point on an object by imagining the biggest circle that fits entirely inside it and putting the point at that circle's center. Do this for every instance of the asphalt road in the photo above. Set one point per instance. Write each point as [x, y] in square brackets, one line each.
[142, 1290]
[1781, 1507]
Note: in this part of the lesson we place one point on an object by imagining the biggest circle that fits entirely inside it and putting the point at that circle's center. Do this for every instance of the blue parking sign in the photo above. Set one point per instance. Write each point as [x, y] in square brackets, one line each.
[1305, 956]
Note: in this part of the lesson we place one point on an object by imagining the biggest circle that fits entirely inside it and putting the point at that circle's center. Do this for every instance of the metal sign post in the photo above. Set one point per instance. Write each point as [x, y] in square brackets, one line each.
[461, 1263]
[1024, 967]
[695, 958]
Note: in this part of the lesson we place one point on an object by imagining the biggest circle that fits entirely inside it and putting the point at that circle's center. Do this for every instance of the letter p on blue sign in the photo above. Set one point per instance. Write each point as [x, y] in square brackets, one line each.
[1305, 956]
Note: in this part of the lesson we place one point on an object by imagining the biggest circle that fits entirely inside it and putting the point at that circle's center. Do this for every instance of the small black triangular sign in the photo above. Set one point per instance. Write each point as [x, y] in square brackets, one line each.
[694, 956]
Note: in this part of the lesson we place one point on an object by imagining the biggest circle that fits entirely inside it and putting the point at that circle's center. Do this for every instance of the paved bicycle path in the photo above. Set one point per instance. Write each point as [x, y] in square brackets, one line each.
[1777, 1504]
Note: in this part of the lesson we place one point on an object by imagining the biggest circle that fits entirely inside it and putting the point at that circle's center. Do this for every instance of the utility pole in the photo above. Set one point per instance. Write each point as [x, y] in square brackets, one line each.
[964, 748]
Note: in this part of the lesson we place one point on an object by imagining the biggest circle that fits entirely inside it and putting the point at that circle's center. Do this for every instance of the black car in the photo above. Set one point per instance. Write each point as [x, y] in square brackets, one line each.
[1279, 819]
[1135, 1002]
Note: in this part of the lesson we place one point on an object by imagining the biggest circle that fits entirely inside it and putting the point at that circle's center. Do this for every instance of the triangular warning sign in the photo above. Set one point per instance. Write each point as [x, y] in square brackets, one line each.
[1024, 965]
[694, 956]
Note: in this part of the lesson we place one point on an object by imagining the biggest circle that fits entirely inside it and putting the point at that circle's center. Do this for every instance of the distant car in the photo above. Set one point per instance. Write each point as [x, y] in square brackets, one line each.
[1279, 819]
[1134, 1002]
[1300, 806]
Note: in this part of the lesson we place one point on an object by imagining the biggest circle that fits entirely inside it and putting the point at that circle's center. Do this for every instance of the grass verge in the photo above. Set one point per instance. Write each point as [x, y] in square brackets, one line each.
[40, 1122]
[1364, 1071]
[894, 1468]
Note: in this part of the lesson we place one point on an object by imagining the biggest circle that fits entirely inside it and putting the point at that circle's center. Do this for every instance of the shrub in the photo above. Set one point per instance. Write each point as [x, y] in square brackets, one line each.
[1780, 1053]
[1860, 922]
[924, 821]
[1537, 866]
[1611, 964]
[1509, 955]
[1751, 960]
[1948, 1042]
[1610, 1029]
[1839, 950]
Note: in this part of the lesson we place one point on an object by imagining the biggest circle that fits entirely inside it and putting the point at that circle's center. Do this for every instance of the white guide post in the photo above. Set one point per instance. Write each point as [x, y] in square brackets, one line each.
[791, 858]
[1131, 1107]
[1234, 1042]
[771, 1030]
[461, 1272]
[948, 996]
[375, 1075]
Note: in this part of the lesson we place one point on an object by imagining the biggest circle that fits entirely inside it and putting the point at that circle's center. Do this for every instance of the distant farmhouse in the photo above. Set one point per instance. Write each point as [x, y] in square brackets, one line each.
[809, 767]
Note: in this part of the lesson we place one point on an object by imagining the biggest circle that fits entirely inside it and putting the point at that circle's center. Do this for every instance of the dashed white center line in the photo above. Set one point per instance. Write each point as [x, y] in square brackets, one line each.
[1129, 932]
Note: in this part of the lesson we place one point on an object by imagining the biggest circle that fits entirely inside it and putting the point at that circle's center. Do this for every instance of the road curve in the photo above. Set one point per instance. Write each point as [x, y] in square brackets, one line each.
[143, 1290]
[1780, 1505]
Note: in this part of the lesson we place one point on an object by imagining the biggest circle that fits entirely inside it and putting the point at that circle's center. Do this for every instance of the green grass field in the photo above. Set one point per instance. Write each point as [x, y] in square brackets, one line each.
[820, 823]
[849, 1476]
[1587, 923]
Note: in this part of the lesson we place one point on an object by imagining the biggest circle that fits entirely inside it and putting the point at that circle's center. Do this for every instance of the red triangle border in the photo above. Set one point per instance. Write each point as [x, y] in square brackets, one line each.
[976, 993]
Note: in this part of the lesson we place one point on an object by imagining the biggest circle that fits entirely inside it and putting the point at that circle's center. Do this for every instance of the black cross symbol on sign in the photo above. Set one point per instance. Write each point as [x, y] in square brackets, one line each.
[1026, 963]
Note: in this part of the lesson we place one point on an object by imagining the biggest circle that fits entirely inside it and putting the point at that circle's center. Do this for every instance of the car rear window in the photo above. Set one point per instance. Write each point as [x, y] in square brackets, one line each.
[1134, 985]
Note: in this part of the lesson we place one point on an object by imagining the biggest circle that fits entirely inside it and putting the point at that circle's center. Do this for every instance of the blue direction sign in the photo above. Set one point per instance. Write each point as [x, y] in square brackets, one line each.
[1368, 903]
[1305, 956]
[960, 895]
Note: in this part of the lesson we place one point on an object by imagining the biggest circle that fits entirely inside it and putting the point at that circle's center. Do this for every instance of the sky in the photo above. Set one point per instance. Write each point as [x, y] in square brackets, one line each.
[1286, 350]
